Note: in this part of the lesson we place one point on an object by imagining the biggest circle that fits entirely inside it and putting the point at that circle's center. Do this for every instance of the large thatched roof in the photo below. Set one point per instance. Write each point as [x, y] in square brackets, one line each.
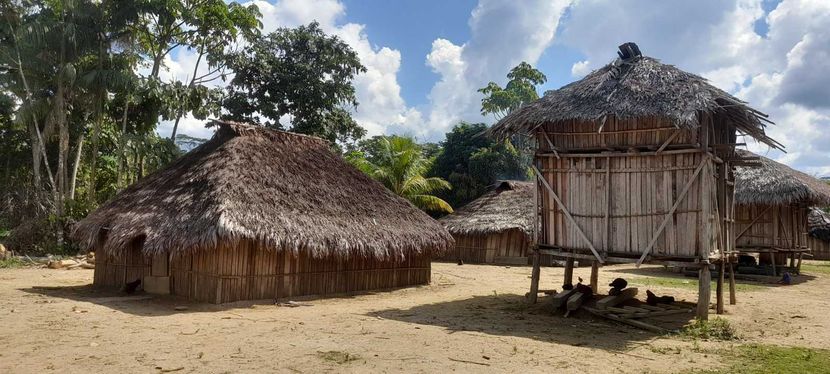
[284, 190]
[507, 206]
[635, 87]
[775, 183]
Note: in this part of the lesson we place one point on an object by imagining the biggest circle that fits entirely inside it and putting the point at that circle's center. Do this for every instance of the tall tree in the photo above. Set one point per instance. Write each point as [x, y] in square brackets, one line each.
[520, 90]
[301, 73]
[399, 164]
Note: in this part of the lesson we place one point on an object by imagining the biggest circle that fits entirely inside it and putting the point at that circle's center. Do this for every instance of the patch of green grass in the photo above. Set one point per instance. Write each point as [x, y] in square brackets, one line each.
[11, 263]
[773, 359]
[683, 283]
[713, 329]
[338, 357]
[816, 268]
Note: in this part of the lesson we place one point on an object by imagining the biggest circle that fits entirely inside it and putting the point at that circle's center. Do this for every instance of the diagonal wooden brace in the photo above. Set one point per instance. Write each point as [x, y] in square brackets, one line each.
[567, 214]
[668, 216]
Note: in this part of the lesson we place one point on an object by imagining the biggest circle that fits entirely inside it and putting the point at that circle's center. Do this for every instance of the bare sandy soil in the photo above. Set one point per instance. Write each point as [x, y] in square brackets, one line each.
[470, 319]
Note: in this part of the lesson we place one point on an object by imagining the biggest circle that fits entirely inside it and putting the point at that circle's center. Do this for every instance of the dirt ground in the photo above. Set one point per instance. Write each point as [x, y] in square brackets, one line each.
[471, 318]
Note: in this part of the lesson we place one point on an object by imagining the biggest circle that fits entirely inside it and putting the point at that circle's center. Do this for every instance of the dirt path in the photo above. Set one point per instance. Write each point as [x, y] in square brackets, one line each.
[471, 319]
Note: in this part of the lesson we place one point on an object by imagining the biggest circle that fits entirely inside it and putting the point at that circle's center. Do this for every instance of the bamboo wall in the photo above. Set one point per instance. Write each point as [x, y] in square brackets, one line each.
[820, 249]
[771, 226]
[506, 247]
[247, 272]
[620, 184]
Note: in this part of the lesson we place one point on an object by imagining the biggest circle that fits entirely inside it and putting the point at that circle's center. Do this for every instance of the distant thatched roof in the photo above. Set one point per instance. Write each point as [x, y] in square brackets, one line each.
[631, 88]
[818, 223]
[285, 190]
[775, 183]
[508, 206]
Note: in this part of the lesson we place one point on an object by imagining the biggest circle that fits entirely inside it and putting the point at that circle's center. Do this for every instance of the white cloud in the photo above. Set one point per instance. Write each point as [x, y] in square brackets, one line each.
[503, 34]
[581, 68]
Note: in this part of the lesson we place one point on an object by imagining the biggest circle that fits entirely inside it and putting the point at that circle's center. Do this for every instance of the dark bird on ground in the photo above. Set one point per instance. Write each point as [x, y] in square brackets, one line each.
[653, 299]
[567, 286]
[460, 262]
[130, 288]
[617, 286]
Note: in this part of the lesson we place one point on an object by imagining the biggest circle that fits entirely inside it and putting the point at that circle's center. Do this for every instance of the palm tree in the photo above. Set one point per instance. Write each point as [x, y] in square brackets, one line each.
[400, 166]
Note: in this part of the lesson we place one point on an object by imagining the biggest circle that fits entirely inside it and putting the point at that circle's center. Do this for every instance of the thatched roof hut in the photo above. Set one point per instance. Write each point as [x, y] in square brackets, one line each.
[274, 193]
[773, 183]
[818, 224]
[508, 206]
[771, 213]
[634, 165]
[495, 228]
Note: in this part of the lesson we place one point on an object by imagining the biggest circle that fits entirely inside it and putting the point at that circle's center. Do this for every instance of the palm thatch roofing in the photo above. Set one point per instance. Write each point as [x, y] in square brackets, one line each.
[777, 184]
[636, 87]
[507, 206]
[818, 222]
[282, 190]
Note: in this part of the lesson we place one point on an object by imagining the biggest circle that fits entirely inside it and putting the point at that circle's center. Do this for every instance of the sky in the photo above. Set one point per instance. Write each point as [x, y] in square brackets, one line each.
[425, 59]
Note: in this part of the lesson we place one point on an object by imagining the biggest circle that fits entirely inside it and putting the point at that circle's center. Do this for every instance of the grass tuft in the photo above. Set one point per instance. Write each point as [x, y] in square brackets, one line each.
[11, 263]
[713, 329]
[683, 283]
[338, 357]
[816, 268]
[773, 359]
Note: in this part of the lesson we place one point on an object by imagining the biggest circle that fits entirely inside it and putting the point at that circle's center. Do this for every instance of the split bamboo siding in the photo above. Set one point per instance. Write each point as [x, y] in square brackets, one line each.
[246, 272]
[781, 227]
[506, 247]
[820, 249]
[636, 184]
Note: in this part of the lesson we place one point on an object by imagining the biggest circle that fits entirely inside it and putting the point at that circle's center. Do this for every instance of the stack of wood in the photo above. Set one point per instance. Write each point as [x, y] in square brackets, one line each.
[85, 261]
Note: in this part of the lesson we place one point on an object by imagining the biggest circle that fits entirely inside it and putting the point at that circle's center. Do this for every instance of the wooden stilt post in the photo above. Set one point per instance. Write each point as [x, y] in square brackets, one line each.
[704, 292]
[772, 256]
[595, 276]
[534, 278]
[719, 287]
[569, 272]
[732, 297]
[798, 266]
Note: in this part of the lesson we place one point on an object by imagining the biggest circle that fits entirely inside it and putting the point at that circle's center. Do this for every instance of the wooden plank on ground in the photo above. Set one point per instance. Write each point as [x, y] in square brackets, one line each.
[635, 323]
[576, 300]
[609, 301]
[561, 298]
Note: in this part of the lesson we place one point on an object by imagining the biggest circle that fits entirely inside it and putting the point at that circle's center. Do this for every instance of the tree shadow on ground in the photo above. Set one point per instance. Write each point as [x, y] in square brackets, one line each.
[143, 304]
[740, 279]
[512, 315]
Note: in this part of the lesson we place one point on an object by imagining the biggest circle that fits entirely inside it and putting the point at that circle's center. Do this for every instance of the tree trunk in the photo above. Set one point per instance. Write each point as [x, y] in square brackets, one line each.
[99, 117]
[75, 166]
[122, 143]
[189, 85]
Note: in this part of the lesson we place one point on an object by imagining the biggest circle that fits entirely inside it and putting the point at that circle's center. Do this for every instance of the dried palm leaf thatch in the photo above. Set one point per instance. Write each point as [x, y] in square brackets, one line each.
[777, 184]
[507, 206]
[633, 88]
[283, 190]
[818, 222]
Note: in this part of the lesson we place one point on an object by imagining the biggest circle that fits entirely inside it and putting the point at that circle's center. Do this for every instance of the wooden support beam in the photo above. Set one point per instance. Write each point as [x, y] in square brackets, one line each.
[561, 298]
[732, 297]
[534, 278]
[610, 301]
[595, 276]
[569, 272]
[669, 215]
[635, 323]
[719, 287]
[669, 140]
[575, 301]
[704, 281]
[567, 214]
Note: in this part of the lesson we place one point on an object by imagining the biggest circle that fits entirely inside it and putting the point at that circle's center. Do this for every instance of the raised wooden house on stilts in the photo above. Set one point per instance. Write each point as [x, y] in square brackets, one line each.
[634, 165]
[773, 202]
[260, 214]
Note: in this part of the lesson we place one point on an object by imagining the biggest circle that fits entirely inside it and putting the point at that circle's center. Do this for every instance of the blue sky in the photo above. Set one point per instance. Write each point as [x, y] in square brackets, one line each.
[426, 58]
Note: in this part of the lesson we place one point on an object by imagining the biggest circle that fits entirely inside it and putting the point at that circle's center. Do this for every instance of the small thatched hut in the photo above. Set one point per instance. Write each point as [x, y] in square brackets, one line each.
[818, 224]
[772, 204]
[255, 214]
[496, 228]
[633, 164]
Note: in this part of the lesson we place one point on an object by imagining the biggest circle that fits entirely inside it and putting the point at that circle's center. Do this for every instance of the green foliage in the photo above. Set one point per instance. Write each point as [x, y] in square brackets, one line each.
[300, 72]
[11, 263]
[520, 90]
[816, 267]
[773, 359]
[713, 329]
[398, 163]
[472, 162]
[684, 283]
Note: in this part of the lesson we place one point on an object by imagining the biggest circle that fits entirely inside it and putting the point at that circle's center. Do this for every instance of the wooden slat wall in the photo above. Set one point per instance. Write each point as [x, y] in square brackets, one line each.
[643, 190]
[488, 249]
[819, 248]
[575, 135]
[246, 272]
[114, 272]
[781, 226]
